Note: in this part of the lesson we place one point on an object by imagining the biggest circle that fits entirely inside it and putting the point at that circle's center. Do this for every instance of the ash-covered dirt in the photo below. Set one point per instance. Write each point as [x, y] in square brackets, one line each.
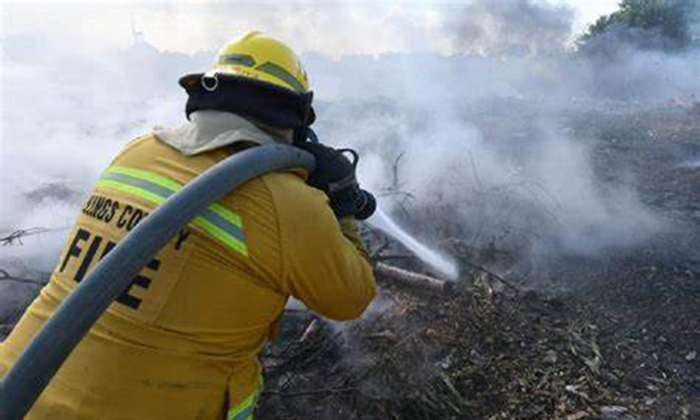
[621, 349]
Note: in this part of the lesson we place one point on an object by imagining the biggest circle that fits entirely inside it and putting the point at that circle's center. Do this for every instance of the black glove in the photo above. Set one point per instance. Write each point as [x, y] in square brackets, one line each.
[335, 175]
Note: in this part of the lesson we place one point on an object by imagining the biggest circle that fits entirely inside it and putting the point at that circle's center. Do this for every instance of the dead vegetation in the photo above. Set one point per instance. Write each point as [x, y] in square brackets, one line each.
[478, 353]
[15, 237]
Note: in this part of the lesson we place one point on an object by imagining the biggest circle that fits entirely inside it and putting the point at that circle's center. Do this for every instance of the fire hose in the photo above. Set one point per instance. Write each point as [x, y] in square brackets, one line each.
[50, 348]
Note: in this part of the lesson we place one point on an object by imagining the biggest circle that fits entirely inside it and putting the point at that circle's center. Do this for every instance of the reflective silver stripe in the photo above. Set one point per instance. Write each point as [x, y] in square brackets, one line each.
[162, 192]
[246, 408]
[137, 182]
[240, 59]
[281, 73]
[223, 224]
[245, 414]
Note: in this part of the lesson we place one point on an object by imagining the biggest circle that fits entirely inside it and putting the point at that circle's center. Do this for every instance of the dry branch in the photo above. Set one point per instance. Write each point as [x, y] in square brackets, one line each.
[411, 278]
[4, 275]
[17, 235]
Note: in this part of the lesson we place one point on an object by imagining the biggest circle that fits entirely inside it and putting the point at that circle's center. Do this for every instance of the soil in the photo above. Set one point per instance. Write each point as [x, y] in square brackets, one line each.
[621, 349]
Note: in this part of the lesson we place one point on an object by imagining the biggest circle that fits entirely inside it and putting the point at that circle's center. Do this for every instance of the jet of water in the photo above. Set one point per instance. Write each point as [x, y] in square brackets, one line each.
[691, 164]
[446, 267]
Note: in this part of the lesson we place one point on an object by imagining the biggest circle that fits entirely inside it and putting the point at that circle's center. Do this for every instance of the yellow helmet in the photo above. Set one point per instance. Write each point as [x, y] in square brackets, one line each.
[261, 57]
[255, 76]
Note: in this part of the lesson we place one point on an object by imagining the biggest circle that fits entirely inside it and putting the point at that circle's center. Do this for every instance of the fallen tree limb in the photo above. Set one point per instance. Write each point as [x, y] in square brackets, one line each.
[4, 275]
[400, 257]
[17, 235]
[411, 278]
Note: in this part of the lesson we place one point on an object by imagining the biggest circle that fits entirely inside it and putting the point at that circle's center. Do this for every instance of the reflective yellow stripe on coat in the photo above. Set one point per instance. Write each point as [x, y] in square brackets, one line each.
[246, 409]
[217, 220]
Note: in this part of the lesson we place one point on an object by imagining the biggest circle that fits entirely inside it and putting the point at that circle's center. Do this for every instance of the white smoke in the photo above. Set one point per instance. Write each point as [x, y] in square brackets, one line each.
[457, 119]
[64, 117]
[513, 27]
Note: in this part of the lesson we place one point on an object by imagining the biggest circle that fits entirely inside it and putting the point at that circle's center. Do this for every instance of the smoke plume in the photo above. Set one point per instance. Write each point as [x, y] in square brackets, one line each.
[513, 27]
[479, 145]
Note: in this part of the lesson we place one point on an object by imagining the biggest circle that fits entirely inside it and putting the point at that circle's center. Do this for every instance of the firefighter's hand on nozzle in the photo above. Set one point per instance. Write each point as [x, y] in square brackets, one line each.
[368, 206]
[335, 175]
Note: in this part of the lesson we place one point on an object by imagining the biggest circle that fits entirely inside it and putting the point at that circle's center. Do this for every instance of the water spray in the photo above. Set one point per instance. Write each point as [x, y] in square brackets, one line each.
[382, 221]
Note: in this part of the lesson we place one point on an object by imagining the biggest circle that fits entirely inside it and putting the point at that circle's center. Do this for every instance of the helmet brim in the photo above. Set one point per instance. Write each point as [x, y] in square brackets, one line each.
[189, 81]
[276, 106]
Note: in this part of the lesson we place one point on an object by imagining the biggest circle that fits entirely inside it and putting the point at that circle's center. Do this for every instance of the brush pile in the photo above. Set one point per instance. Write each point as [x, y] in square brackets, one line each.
[486, 354]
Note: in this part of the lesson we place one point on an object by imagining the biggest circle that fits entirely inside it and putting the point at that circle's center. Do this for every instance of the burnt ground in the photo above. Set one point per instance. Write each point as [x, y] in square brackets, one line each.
[610, 337]
[618, 350]
[615, 337]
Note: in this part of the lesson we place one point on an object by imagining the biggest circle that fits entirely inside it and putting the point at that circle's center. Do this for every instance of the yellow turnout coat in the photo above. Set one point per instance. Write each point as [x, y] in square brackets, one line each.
[183, 341]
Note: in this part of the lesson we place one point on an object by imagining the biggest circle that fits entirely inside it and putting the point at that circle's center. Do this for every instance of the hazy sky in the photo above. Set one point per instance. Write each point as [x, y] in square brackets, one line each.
[330, 27]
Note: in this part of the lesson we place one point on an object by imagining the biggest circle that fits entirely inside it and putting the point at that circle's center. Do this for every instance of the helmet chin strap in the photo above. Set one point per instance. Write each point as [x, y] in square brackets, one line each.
[311, 135]
[304, 133]
[272, 105]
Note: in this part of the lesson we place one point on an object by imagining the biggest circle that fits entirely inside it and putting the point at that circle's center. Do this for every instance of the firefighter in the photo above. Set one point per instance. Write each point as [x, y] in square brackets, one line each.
[183, 341]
